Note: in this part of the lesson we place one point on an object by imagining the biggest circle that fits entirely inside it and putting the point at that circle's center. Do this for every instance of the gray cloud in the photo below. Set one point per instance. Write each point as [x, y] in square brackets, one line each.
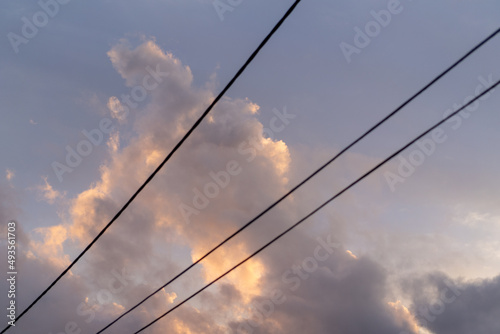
[344, 295]
[447, 306]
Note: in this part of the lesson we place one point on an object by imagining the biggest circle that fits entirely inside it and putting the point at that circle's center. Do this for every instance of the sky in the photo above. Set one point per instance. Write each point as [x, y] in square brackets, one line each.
[95, 94]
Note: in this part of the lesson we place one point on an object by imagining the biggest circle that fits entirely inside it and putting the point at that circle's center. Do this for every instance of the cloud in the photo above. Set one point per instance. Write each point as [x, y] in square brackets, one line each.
[478, 220]
[170, 296]
[114, 142]
[351, 254]
[51, 248]
[47, 193]
[447, 306]
[9, 174]
[404, 316]
[344, 295]
[154, 221]
[117, 109]
[233, 133]
[151, 241]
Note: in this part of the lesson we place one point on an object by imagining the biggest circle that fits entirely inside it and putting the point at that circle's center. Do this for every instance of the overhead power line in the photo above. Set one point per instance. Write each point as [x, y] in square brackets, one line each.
[195, 125]
[306, 179]
[322, 205]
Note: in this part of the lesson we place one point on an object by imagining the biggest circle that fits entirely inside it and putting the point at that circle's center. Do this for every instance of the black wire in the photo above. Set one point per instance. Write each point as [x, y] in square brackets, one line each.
[322, 205]
[307, 179]
[221, 94]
